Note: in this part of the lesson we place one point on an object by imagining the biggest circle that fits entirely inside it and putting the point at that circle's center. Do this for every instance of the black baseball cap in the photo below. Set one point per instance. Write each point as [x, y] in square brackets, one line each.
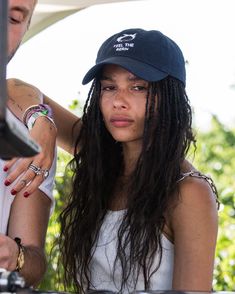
[150, 55]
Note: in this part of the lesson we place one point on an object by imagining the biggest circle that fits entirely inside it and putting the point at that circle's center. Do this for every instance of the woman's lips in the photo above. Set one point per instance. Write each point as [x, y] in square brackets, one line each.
[121, 121]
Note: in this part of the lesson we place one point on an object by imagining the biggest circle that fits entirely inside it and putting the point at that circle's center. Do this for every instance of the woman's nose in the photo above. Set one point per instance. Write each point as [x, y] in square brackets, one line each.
[120, 99]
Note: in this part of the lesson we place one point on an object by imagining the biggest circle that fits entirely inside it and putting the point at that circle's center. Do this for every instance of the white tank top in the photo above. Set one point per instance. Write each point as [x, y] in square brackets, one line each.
[105, 253]
[102, 262]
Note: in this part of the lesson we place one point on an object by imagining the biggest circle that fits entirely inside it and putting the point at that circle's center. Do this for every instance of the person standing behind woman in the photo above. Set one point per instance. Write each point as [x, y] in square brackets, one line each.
[140, 216]
[24, 221]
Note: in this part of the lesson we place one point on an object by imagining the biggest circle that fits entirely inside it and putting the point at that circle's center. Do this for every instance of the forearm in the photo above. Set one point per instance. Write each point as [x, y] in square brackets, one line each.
[35, 265]
[22, 95]
[67, 126]
[28, 221]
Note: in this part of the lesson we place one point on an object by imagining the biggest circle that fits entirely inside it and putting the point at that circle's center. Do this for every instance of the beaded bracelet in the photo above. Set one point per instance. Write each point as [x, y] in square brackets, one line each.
[32, 113]
[34, 116]
[42, 108]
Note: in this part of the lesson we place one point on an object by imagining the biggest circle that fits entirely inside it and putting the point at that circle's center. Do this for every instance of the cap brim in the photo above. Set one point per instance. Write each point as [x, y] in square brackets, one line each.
[139, 69]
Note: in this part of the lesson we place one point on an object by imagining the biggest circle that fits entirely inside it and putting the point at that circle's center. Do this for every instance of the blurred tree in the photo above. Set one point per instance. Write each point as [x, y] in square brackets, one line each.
[215, 155]
[51, 280]
[63, 177]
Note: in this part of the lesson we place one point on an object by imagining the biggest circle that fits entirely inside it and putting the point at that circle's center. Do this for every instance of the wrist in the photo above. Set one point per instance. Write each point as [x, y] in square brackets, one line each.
[42, 108]
[38, 115]
[34, 112]
[43, 123]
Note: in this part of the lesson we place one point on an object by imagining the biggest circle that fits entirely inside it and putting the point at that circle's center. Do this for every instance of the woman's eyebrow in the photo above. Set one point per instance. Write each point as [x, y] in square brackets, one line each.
[105, 78]
[135, 79]
[131, 78]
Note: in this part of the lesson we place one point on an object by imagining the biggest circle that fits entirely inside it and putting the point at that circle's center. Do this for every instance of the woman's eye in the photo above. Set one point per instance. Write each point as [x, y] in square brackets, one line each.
[139, 88]
[107, 88]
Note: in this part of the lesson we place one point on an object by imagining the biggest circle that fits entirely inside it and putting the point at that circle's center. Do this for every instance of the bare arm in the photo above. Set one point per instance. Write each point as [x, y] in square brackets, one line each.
[28, 221]
[22, 95]
[194, 224]
[64, 121]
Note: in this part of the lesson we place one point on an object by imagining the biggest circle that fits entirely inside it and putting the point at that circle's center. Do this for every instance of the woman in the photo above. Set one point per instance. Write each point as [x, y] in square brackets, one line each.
[139, 216]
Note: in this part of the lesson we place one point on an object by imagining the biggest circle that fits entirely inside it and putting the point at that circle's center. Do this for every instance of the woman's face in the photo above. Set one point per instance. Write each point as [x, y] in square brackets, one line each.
[122, 103]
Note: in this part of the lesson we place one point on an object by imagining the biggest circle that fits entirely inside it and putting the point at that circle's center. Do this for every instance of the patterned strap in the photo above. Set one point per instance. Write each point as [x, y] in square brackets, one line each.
[209, 180]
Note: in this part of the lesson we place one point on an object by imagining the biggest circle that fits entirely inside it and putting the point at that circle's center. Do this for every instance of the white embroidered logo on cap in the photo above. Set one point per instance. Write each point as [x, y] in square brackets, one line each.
[126, 37]
[124, 42]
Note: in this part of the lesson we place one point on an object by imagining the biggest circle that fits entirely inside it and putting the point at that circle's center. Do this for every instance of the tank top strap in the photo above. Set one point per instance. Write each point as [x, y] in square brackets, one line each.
[207, 178]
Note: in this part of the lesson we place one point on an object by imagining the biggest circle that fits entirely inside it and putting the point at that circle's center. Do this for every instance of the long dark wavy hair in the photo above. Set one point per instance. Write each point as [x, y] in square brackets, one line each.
[152, 189]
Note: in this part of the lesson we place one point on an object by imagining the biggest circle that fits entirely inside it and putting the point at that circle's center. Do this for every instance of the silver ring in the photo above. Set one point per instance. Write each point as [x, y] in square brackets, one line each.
[35, 169]
[23, 182]
[45, 173]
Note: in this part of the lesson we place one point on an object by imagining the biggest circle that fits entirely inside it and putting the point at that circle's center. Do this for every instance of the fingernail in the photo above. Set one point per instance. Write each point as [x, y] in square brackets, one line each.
[5, 169]
[7, 183]
[26, 194]
[13, 192]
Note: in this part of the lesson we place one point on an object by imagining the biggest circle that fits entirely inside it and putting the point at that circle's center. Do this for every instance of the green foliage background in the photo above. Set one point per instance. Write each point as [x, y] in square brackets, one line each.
[215, 155]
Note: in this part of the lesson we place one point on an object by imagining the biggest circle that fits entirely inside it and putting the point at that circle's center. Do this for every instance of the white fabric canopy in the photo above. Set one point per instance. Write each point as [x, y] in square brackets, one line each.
[48, 12]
